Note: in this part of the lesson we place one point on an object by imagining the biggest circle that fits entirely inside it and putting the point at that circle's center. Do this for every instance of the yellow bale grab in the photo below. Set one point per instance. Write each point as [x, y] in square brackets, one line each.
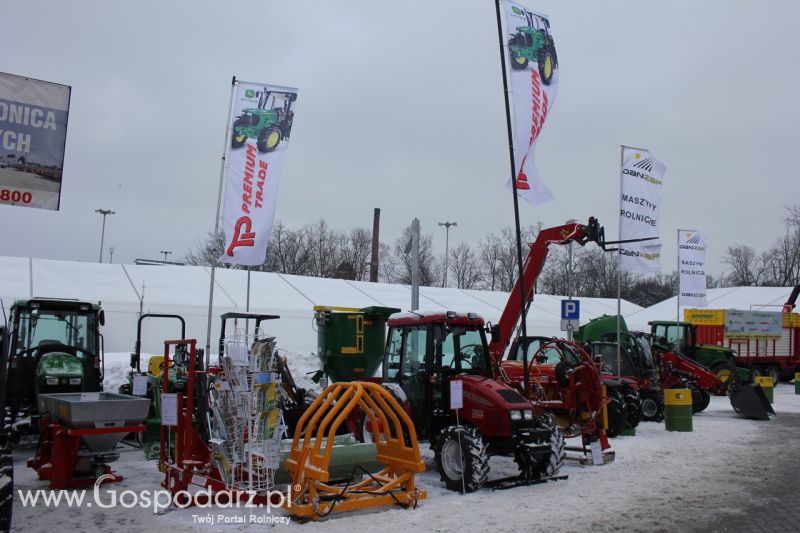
[314, 495]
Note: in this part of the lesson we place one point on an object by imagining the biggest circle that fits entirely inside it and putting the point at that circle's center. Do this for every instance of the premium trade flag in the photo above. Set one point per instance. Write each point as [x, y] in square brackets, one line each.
[33, 133]
[260, 125]
[639, 208]
[692, 261]
[531, 53]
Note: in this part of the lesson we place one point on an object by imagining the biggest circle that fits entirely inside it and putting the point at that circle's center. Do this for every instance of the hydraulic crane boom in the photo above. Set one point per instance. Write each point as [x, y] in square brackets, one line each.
[513, 311]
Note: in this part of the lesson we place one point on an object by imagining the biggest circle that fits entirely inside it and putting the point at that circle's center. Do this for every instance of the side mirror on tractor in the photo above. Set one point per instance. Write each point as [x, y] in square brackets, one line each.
[101, 317]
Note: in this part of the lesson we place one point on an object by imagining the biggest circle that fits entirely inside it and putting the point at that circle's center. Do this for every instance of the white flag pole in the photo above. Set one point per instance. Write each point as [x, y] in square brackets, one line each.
[619, 274]
[216, 220]
[678, 299]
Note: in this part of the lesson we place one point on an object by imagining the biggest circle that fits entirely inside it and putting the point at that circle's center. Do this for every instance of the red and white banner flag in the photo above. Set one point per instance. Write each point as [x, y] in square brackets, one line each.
[533, 84]
[260, 126]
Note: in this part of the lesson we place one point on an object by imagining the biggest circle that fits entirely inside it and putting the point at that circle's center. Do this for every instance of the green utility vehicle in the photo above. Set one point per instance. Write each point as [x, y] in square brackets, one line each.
[50, 346]
[683, 336]
[534, 43]
[269, 123]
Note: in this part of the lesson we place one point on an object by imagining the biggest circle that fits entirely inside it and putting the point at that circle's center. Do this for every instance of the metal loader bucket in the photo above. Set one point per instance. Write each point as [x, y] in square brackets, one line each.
[81, 411]
[750, 401]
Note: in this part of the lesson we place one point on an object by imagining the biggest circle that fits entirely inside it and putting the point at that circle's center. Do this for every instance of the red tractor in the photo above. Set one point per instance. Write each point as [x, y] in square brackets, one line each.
[425, 353]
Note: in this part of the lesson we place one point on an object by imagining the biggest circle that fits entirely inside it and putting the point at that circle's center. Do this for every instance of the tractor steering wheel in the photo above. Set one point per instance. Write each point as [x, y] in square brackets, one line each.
[161, 365]
[463, 354]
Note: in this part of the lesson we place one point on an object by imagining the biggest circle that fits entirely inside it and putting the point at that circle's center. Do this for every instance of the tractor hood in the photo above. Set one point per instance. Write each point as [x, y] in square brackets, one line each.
[485, 392]
[59, 364]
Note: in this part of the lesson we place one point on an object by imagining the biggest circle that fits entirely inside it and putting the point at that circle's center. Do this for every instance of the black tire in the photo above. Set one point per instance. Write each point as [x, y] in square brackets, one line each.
[616, 411]
[547, 65]
[549, 465]
[518, 62]
[633, 408]
[773, 371]
[652, 405]
[724, 370]
[460, 444]
[705, 399]
[268, 139]
[755, 372]
[6, 489]
[700, 398]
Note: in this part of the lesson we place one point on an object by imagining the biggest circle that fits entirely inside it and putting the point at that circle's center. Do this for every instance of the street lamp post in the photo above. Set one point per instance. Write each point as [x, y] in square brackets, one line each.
[111, 251]
[166, 253]
[446, 246]
[105, 213]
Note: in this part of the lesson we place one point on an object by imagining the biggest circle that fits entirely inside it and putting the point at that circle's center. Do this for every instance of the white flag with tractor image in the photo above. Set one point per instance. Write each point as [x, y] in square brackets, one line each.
[641, 180]
[692, 259]
[260, 124]
[533, 84]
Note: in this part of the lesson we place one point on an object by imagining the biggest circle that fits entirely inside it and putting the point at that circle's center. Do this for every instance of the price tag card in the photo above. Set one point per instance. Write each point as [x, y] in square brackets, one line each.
[597, 453]
[169, 409]
[90, 396]
[139, 385]
[456, 394]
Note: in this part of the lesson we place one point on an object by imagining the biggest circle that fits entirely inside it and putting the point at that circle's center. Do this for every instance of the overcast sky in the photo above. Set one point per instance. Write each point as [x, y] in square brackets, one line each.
[401, 107]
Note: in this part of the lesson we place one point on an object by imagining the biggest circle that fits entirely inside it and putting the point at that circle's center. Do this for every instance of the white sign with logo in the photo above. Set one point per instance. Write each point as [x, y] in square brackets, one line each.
[456, 394]
[753, 324]
[692, 260]
[259, 137]
[533, 82]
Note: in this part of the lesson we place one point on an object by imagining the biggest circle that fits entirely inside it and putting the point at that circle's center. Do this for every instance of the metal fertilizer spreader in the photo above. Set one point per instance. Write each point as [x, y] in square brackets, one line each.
[79, 432]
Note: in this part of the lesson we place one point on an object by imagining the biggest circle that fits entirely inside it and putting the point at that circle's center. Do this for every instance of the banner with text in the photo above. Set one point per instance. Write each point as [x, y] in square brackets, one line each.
[33, 134]
[692, 260]
[753, 324]
[259, 131]
[640, 204]
[531, 53]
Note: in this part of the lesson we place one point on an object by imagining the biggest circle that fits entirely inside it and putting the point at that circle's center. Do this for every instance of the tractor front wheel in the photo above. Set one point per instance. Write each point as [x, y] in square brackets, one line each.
[633, 408]
[615, 408]
[652, 405]
[547, 65]
[461, 458]
[268, 139]
[774, 372]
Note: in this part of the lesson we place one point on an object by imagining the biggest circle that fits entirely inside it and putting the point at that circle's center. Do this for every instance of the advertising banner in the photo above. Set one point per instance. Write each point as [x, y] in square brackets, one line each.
[704, 317]
[753, 324]
[33, 134]
[260, 125]
[641, 180]
[692, 261]
[531, 53]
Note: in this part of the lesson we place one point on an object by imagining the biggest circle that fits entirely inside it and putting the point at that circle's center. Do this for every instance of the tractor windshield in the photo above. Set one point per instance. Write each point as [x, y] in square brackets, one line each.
[463, 349]
[609, 353]
[40, 327]
[545, 351]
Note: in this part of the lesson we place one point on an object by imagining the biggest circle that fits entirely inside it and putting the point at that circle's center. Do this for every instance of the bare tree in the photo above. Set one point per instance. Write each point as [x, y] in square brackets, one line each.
[356, 249]
[747, 268]
[208, 252]
[465, 267]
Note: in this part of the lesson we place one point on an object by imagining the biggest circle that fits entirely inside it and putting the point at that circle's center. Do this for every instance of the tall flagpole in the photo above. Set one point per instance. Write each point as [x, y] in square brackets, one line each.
[619, 276]
[223, 164]
[526, 378]
[678, 283]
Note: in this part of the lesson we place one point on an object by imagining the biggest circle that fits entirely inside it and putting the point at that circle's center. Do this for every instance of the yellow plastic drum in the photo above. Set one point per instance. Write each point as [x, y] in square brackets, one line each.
[766, 385]
[678, 409]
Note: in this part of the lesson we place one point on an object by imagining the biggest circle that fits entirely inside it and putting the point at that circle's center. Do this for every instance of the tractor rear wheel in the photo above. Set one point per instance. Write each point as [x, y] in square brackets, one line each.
[615, 407]
[268, 139]
[652, 405]
[547, 65]
[633, 408]
[461, 458]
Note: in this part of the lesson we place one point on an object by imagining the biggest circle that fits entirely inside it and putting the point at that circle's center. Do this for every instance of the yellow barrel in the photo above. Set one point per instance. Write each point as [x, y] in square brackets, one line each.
[678, 409]
[766, 385]
[797, 383]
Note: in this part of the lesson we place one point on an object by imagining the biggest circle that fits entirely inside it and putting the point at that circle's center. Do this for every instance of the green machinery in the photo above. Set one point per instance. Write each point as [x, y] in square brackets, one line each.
[534, 43]
[269, 123]
[49, 346]
[350, 341]
[682, 335]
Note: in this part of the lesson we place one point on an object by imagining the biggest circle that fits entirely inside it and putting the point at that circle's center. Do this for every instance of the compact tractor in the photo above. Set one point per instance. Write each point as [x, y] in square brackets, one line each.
[269, 123]
[534, 43]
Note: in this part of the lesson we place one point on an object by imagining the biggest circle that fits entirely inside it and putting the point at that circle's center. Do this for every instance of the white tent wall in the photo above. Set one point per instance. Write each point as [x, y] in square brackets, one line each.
[124, 290]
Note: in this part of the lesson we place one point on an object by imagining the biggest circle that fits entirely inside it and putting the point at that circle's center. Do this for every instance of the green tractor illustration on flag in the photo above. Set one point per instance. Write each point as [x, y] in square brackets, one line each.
[269, 123]
[534, 43]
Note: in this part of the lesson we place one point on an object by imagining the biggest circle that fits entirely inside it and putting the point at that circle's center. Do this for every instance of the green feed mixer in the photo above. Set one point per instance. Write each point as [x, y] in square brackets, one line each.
[268, 124]
[350, 341]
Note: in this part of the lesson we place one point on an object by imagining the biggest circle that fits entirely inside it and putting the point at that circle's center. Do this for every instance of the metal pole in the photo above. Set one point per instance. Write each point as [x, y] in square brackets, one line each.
[415, 264]
[247, 322]
[446, 247]
[678, 295]
[619, 276]
[103, 212]
[166, 253]
[569, 285]
[216, 223]
[376, 226]
[526, 378]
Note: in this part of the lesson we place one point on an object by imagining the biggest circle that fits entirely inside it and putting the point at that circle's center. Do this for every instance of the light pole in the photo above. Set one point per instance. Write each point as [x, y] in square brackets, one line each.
[166, 253]
[446, 246]
[111, 254]
[105, 213]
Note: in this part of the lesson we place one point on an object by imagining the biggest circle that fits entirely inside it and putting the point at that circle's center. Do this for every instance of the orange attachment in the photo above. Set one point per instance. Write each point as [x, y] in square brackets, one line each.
[395, 441]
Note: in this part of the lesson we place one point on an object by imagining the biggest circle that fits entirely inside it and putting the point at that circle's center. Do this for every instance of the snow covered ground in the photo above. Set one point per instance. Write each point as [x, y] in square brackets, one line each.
[660, 481]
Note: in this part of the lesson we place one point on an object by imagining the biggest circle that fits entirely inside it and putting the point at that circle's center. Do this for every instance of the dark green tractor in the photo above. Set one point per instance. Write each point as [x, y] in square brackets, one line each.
[51, 346]
[534, 43]
[268, 124]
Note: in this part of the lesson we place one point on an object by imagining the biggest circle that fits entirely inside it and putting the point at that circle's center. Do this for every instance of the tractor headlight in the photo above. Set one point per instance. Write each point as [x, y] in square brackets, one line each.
[74, 381]
[527, 414]
[516, 415]
[52, 381]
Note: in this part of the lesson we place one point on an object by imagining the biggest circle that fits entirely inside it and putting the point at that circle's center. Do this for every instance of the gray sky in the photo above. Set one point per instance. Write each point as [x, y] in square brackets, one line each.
[401, 107]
